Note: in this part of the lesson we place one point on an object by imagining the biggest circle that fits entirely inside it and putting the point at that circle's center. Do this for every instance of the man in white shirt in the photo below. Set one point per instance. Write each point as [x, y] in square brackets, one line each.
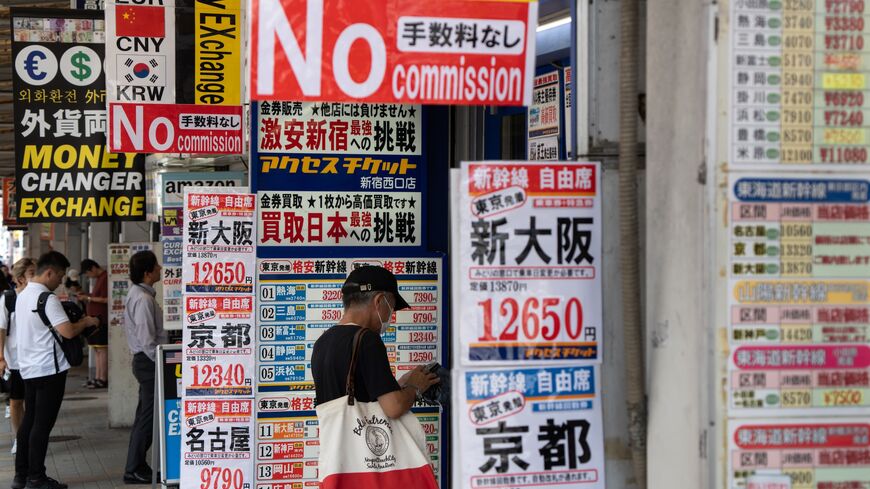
[43, 367]
[22, 272]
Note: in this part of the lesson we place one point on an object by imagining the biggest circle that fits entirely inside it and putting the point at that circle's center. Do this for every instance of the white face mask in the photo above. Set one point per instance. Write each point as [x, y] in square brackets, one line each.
[385, 323]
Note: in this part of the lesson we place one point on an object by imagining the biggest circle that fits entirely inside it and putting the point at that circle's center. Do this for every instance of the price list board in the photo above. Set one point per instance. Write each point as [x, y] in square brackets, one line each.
[813, 453]
[800, 83]
[219, 341]
[299, 299]
[799, 259]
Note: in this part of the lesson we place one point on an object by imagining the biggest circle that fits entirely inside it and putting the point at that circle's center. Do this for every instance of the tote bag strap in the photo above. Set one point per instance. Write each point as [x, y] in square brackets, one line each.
[349, 386]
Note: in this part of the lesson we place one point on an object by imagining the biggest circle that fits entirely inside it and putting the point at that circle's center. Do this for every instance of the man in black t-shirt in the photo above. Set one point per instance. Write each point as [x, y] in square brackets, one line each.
[370, 296]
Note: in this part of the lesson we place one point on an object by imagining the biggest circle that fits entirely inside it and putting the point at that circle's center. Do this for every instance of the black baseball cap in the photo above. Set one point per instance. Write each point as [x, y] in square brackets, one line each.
[371, 278]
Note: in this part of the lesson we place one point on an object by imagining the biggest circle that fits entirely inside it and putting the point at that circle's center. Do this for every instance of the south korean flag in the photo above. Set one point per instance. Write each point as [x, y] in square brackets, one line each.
[141, 70]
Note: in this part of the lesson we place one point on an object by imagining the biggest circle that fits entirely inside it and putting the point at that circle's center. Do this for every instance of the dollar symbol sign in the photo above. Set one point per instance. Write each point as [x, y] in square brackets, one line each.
[82, 71]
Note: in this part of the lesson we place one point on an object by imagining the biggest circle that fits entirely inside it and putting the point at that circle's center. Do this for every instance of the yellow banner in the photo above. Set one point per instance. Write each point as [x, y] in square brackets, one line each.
[218, 70]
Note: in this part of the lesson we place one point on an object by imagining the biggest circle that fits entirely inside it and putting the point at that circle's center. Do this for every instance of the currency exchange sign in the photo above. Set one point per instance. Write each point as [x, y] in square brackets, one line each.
[64, 171]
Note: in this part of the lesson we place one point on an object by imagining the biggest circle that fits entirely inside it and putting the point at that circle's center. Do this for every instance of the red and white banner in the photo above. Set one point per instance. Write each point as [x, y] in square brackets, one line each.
[458, 52]
[175, 128]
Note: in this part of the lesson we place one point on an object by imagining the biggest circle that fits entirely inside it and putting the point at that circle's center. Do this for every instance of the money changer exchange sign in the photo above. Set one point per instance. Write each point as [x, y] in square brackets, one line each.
[64, 171]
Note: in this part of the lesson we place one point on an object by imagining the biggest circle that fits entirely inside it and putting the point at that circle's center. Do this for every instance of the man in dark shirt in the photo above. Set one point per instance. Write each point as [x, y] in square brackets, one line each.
[370, 296]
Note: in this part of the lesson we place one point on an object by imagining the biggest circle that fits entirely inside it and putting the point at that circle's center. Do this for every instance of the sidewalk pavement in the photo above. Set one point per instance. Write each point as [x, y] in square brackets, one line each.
[95, 459]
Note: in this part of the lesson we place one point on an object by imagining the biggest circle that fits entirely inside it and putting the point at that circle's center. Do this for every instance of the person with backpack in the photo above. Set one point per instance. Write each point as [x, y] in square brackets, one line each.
[45, 340]
[22, 272]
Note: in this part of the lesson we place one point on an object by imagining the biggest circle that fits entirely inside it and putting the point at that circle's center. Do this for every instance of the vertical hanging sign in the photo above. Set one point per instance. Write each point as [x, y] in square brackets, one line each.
[218, 346]
[219, 69]
[140, 51]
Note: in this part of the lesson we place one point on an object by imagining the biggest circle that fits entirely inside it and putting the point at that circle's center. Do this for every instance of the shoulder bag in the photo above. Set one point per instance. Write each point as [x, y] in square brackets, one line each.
[360, 446]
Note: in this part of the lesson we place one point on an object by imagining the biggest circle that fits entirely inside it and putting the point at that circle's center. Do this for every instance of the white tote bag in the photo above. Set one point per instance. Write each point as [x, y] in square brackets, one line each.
[360, 447]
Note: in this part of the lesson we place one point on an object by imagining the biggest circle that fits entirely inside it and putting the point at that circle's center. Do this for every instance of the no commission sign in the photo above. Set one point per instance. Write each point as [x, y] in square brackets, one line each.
[449, 52]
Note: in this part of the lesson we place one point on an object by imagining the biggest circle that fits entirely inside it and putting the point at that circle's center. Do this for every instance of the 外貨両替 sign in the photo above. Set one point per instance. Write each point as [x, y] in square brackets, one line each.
[172, 260]
[64, 171]
[529, 246]
[449, 52]
[176, 128]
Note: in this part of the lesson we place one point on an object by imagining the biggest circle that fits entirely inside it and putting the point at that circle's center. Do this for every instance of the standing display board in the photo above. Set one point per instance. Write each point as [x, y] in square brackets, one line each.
[218, 343]
[169, 401]
[796, 357]
[338, 185]
[527, 408]
[64, 171]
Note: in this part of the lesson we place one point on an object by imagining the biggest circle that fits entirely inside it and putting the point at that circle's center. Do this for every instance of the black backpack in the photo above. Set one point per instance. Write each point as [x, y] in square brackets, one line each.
[71, 347]
[9, 296]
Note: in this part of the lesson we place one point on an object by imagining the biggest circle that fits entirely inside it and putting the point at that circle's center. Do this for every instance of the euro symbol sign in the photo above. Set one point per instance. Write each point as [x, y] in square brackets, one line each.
[31, 64]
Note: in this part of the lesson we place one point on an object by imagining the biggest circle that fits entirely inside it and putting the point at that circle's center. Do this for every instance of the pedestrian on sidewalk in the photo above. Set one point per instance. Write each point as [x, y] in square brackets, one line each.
[43, 367]
[97, 305]
[22, 272]
[143, 322]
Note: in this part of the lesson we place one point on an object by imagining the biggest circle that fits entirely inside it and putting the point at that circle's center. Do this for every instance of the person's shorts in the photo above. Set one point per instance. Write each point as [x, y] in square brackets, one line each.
[16, 385]
[99, 337]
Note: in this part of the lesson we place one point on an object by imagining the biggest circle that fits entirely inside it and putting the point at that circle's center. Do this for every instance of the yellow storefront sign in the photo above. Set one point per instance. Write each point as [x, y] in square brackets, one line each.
[218, 70]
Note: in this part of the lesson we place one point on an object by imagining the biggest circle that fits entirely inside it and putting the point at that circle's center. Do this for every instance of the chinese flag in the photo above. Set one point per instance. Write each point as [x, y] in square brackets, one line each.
[137, 21]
